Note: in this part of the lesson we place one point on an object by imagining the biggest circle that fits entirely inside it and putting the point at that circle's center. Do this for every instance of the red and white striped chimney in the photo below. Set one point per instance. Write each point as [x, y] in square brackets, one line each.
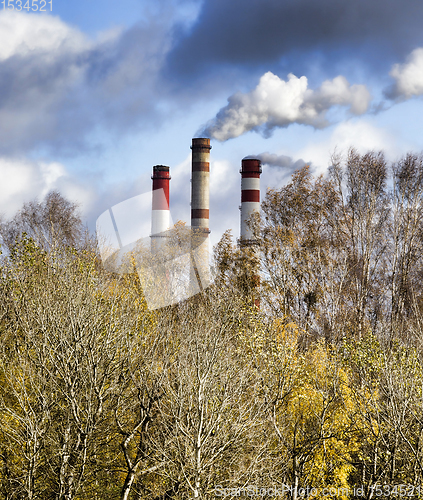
[250, 196]
[200, 182]
[200, 195]
[160, 219]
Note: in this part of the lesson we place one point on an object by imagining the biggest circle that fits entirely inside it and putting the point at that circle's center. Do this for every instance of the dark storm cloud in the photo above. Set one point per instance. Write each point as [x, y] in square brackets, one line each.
[261, 32]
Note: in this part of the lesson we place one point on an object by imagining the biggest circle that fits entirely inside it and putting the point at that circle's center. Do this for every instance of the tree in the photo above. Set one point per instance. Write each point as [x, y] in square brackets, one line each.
[210, 410]
[60, 359]
[301, 247]
[53, 220]
[366, 217]
[146, 357]
[407, 239]
[386, 388]
[311, 434]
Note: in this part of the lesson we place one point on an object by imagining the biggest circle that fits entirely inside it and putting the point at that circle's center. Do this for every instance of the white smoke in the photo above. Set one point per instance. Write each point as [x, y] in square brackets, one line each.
[282, 161]
[408, 76]
[277, 103]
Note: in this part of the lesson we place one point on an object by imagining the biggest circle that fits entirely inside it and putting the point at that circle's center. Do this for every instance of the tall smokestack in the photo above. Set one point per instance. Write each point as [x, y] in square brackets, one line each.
[250, 204]
[200, 181]
[200, 187]
[250, 196]
[160, 213]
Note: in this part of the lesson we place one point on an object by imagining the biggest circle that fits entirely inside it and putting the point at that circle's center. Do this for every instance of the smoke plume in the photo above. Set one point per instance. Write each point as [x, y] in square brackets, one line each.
[281, 161]
[276, 103]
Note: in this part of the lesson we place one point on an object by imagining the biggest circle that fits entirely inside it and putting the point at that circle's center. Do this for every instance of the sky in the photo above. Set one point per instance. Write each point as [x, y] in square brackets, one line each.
[94, 93]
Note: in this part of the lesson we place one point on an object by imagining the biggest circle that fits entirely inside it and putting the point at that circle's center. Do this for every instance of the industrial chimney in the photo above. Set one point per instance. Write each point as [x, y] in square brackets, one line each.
[200, 182]
[250, 204]
[160, 210]
[250, 196]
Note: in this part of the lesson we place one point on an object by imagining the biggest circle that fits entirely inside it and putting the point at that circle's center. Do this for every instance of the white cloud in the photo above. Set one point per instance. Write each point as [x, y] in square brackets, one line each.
[362, 135]
[223, 176]
[278, 103]
[57, 85]
[24, 180]
[27, 34]
[409, 76]
[41, 61]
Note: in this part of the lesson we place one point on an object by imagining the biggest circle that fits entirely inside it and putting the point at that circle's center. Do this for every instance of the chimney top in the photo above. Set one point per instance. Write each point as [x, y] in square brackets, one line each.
[251, 165]
[160, 168]
[201, 142]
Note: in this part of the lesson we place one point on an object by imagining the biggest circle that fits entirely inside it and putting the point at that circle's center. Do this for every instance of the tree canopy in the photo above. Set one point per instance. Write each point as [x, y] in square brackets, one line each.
[301, 366]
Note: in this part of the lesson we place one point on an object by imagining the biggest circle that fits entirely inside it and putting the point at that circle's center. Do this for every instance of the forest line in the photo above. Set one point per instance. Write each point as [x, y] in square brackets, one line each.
[321, 386]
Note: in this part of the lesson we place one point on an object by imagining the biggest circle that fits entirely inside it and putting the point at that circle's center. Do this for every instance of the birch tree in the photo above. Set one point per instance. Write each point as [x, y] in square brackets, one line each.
[211, 409]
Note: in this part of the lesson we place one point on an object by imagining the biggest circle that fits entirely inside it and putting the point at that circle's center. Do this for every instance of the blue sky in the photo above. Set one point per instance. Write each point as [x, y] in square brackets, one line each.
[93, 94]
